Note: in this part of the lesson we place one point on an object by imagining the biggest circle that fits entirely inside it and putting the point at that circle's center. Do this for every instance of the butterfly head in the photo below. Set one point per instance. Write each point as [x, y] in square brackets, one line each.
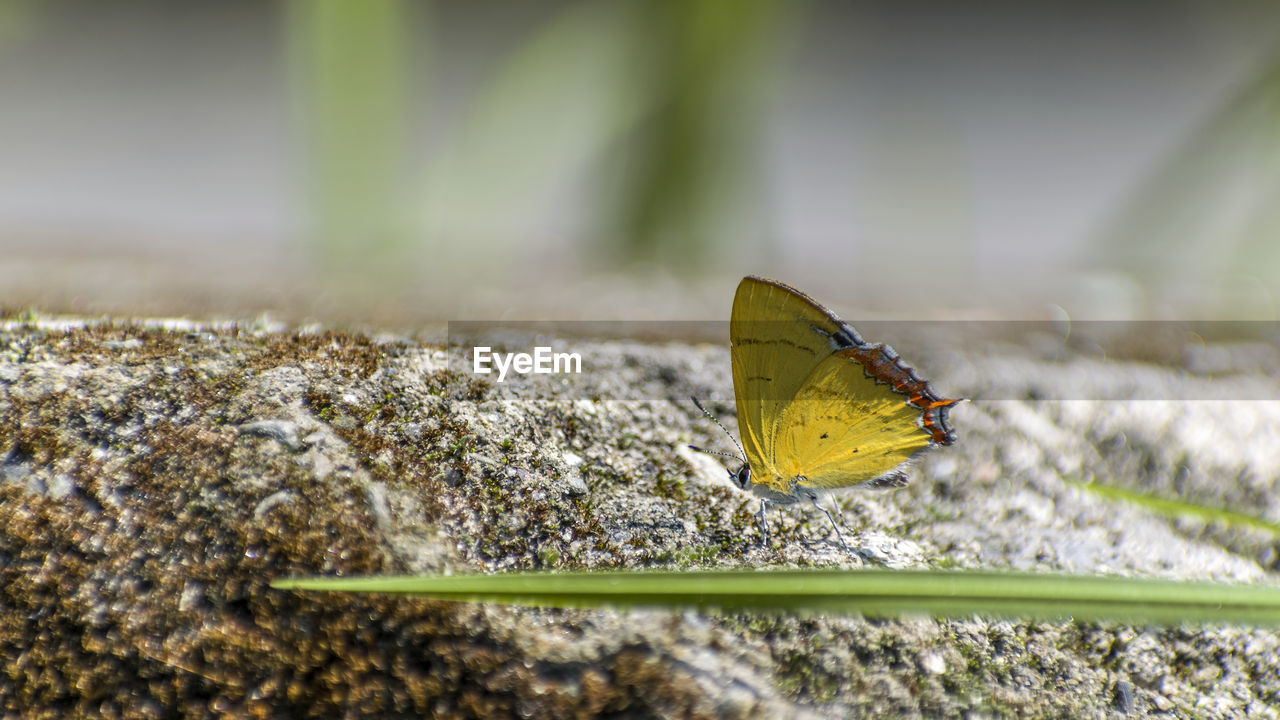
[741, 478]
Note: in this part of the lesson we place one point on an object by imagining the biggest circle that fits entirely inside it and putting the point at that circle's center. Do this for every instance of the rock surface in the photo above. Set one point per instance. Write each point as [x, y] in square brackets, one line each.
[155, 478]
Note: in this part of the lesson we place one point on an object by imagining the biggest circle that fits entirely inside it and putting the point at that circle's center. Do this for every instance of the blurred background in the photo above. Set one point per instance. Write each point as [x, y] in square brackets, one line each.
[413, 161]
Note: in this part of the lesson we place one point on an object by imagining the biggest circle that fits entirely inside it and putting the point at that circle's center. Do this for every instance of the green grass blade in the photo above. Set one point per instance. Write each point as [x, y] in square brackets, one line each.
[868, 592]
[1175, 508]
[349, 66]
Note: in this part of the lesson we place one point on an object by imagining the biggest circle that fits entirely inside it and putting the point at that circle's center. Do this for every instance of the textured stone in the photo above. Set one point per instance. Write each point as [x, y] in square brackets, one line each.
[142, 516]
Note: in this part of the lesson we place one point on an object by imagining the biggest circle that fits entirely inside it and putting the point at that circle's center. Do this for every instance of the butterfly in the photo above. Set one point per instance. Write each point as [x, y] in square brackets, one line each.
[818, 406]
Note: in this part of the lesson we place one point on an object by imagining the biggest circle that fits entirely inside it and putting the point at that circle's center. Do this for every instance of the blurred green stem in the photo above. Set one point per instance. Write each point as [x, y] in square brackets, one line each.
[689, 159]
[350, 59]
[1200, 233]
[16, 17]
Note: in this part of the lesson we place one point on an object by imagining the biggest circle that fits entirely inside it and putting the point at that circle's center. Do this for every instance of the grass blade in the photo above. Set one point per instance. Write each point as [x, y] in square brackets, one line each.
[1176, 508]
[868, 592]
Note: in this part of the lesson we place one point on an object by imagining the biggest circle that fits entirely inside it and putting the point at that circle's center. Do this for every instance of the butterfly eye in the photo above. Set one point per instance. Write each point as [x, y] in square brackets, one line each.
[742, 477]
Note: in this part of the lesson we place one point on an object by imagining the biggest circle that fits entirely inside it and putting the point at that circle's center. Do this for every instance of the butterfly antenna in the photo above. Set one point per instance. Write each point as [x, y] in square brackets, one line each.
[695, 448]
[742, 453]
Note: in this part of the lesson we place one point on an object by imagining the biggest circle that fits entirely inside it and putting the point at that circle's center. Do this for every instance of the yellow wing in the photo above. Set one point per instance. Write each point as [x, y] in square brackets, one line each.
[844, 428]
[817, 404]
[774, 347]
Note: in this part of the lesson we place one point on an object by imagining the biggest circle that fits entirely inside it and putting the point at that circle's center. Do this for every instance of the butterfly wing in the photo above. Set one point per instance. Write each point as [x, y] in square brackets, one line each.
[846, 426]
[778, 336]
[800, 373]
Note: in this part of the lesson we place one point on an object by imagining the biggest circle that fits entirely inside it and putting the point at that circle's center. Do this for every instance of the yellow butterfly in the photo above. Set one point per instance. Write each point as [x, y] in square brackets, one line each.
[818, 406]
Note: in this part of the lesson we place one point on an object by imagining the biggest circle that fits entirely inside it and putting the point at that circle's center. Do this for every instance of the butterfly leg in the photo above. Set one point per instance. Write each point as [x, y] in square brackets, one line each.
[764, 524]
[844, 545]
